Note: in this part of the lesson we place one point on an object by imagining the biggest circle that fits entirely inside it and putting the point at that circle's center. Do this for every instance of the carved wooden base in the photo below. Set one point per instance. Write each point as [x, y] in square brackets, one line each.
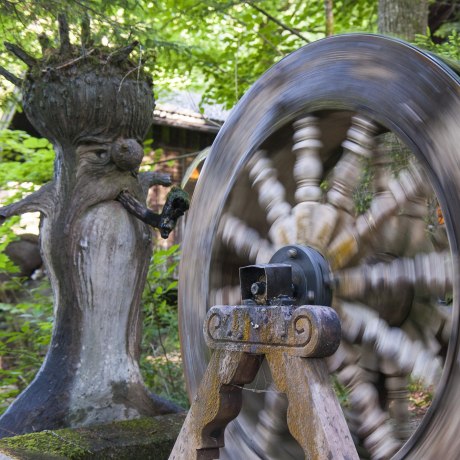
[314, 416]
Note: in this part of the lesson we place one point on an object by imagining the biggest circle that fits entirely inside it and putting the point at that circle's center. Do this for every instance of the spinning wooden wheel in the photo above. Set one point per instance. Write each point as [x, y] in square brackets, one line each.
[349, 147]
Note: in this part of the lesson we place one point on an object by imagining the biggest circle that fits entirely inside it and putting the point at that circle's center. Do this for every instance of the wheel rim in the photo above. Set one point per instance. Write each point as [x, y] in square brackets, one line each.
[294, 100]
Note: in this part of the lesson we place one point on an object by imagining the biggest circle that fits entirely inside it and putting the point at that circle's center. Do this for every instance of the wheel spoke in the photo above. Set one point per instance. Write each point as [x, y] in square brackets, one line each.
[360, 374]
[308, 171]
[308, 168]
[381, 165]
[411, 212]
[381, 409]
[427, 274]
[271, 428]
[358, 148]
[362, 326]
[434, 320]
[397, 398]
[374, 426]
[271, 195]
[406, 193]
[244, 240]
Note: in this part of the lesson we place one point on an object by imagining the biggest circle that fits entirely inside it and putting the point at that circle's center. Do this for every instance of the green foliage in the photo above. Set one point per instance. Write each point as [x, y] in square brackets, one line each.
[233, 43]
[26, 162]
[6, 237]
[449, 49]
[24, 158]
[355, 16]
[420, 397]
[25, 332]
[398, 152]
[342, 393]
[160, 361]
[363, 192]
[217, 46]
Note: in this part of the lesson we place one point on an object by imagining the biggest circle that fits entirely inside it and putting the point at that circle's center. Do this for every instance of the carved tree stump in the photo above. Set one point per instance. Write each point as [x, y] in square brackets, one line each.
[95, 106]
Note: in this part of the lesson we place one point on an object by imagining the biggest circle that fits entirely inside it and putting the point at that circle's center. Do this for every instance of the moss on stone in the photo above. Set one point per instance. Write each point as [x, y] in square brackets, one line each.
[60, 443]
[146, 438]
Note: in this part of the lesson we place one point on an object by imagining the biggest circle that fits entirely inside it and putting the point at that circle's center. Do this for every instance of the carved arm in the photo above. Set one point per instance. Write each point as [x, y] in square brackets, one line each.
[39, 201]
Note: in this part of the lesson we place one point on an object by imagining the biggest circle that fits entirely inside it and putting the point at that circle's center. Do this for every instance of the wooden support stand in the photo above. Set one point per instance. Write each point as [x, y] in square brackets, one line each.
[293, 340]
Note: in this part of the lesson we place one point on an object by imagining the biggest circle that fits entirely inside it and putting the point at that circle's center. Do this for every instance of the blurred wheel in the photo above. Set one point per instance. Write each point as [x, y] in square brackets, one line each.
[349, 146]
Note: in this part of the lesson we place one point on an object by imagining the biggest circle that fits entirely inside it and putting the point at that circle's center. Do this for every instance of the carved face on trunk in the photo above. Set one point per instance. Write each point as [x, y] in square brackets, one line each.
[122, 154]
[103, 169]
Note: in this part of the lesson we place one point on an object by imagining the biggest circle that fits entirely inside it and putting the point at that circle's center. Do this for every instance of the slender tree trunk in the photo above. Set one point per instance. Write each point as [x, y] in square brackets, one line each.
[403, 18]
[328, 6]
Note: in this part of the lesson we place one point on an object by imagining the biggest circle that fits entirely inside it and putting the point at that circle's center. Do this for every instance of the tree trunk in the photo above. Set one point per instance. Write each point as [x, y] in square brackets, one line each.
[95, 110]
[403, 18]
[329, 11]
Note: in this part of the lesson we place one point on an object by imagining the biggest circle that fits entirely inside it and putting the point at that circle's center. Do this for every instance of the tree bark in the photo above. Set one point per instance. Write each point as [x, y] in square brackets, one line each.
[403, 18]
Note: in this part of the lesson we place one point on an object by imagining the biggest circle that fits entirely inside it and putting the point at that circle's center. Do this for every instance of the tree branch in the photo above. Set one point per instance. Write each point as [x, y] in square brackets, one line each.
[64, 37]
[10, 77]
[150, 178]
[278, 22]
[138, 209]
[261, 36]
[122, 54]
[45, 43]
[40, 201]
[21, 54]
[86, 40]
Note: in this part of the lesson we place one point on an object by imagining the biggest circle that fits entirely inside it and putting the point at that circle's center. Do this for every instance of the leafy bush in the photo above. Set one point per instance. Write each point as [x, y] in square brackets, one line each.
[161, 362]
[24, 158]
[449, 49]
[25, 328]
[25, 333]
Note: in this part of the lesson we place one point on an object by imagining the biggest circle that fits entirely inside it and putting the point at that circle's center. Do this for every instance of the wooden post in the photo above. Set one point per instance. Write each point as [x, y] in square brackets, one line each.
[241, 337]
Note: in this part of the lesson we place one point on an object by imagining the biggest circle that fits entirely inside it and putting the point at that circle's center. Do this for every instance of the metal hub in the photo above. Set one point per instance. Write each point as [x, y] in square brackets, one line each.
[310, 274]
